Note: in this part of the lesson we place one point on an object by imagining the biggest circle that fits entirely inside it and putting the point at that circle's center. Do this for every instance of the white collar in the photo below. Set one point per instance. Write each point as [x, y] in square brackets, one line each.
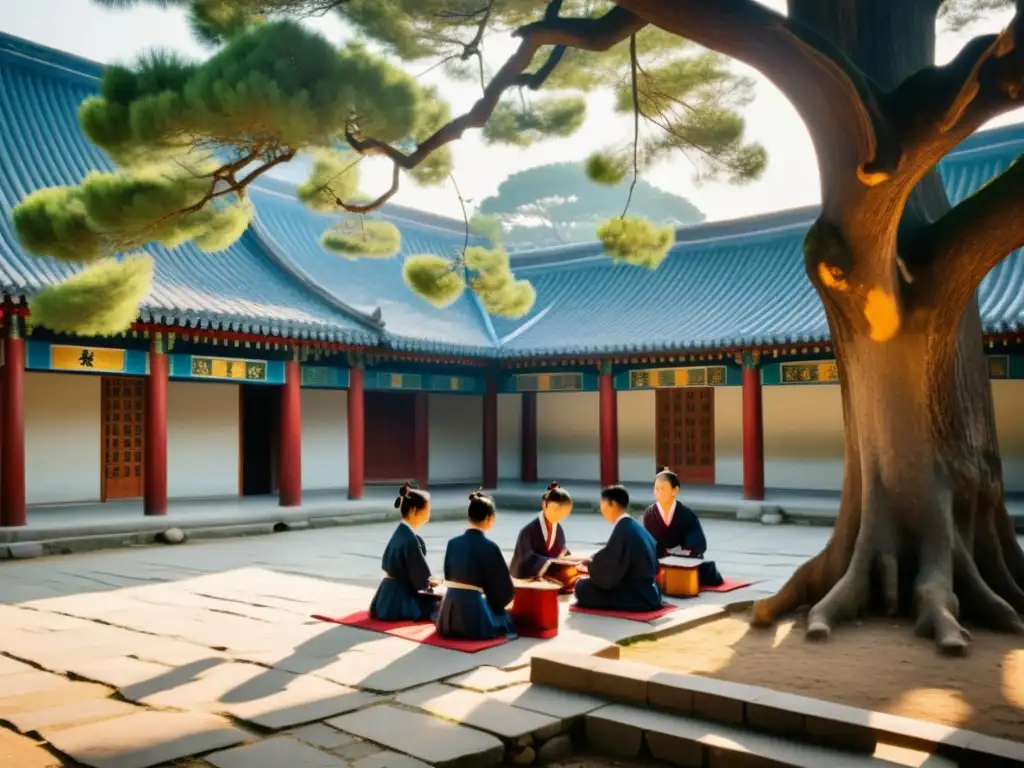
[406, 524]
[549, 534]
[620, 518]
[667, 515]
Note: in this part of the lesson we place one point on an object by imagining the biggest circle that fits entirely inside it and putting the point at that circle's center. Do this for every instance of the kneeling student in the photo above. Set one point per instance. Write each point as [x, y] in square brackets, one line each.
[623, 573]
[478, 584]
[541, 542]
[404, 594]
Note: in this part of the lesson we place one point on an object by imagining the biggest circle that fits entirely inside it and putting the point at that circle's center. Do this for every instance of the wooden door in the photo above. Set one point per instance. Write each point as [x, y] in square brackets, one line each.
[390, 437]
[685, 433]
[124, 419]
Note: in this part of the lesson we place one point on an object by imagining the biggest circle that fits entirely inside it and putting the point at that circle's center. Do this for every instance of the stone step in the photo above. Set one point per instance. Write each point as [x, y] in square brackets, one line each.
[621, 730]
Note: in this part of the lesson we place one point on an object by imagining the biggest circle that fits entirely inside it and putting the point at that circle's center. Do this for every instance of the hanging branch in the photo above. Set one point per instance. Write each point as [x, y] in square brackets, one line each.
[634, 67]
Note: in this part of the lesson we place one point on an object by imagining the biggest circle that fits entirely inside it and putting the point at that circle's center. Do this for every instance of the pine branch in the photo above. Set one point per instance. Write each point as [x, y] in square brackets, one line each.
[836, 101]
[595, 35]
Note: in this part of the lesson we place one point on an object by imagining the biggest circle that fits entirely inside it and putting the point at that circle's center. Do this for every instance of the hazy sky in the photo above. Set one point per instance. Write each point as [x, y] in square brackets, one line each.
[83, 28]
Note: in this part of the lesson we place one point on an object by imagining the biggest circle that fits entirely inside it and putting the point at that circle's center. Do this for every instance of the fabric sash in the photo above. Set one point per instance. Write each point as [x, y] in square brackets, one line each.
[460, 585]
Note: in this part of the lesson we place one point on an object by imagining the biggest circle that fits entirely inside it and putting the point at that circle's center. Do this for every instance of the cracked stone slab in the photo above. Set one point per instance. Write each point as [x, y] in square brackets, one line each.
[548, 701]
[33, 681]
[321, 736]
[275, 753]
[69, 715]
[426, 738]
[486, 679]
[12, 667]
[389, 760]
[477, 710]
[137, 679]
[394, 665]
[266, 697]
[144, 739]
[68, 693]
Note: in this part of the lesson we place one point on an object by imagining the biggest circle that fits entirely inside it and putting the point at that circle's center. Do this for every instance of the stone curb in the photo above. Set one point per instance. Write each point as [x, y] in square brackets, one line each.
[761, 709]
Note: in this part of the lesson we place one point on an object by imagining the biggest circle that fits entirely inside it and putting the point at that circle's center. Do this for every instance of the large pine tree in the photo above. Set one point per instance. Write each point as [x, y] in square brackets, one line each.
[922, 526]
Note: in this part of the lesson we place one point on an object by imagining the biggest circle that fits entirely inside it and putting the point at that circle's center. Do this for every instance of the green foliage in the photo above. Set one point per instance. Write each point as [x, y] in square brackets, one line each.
[512, 124]
[434, 278]
[558, 203]
[367, 238]
[607, 168]
[275, 86]
[487, 226]
[335, 177]
[433, 115]
[101, 300]
[110, 212]
[636, 241]
[499, 291]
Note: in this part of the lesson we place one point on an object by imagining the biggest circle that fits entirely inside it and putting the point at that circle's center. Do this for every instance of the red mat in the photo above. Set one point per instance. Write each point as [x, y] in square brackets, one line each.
[728, 585]
[631, 615]
[422, 632]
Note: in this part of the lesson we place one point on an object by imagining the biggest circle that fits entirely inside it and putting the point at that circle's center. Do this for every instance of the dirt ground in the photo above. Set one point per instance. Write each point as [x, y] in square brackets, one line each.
[877, 665]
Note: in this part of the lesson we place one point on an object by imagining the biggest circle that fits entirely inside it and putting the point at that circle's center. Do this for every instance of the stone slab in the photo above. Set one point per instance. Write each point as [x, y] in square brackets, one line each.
[68, 693]
[34, 681]
[486, 679]
[275, 753]
[389, 760]
[477, 710]
[321, 736]
[126, 673]
[394, 666]
[68, 715]
[9, 666]
[145, 739]
[268, 698]
[548, 701]
[424, 737]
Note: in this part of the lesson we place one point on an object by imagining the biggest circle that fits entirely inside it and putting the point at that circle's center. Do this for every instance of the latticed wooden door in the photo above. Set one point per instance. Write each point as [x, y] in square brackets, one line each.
[124, 419]
[685, 433]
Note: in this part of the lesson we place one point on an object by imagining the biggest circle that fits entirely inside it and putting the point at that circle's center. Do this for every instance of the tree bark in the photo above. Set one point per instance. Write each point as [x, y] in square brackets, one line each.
[922, 525]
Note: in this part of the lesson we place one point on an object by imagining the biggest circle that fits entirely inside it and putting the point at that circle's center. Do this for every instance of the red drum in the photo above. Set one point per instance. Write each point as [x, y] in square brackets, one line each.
[535, 608]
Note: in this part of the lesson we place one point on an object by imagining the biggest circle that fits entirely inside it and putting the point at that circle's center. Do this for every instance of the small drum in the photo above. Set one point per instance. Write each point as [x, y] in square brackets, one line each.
[535, 608]
[679, 576]
[566, 574]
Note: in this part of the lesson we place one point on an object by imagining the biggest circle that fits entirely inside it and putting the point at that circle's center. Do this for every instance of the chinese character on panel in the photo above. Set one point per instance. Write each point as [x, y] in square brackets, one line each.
[87, 359]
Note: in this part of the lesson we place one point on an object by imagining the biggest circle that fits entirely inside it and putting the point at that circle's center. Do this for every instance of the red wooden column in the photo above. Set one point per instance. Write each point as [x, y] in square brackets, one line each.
[528, 438]
[12, 439]
[290, 452]
[490, 468]
[155, 473]
[609, 426]
[356, 430]
[753, 428]
[421, 439]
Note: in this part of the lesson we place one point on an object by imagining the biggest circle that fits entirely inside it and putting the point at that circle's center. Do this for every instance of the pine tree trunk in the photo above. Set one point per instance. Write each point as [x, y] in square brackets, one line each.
[922, 526]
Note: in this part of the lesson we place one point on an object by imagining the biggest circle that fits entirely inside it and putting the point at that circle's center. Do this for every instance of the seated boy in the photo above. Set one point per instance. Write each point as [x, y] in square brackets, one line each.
[623, 573]
[672, 524]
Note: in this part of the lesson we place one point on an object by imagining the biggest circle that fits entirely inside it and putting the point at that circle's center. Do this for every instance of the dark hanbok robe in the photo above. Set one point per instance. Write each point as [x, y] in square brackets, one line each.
[400, 594]
[623, 573]
[479, 587]
[683, 530]
[536, 546]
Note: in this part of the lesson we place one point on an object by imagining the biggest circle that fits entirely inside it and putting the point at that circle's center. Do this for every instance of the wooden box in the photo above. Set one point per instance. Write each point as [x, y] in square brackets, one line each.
[679, 576]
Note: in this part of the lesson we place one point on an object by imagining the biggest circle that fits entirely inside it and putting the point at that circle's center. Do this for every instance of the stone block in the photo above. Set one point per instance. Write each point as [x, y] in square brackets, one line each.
[557, 748]
[548, 701]
[781, 722]
[667, 690]
[12, 667]
[69, 715]
[674, 749]
[621, 681]
[25, 550]
[68, 693]
[34, 681]
[321, 736]
[144, 739]
[483, 679]
[389, 760]
[424, 737]
[990, 751]
[612, 736]
[477, 710]
[835, 725]
[275, 753]
[568, 671]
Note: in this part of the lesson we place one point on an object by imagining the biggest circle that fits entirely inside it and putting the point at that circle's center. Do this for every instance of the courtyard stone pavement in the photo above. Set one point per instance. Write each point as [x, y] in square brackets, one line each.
[150, 655]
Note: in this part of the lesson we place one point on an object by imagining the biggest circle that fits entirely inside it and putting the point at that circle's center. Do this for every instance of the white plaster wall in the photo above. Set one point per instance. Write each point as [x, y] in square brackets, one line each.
[803, 436]
[324, 439]
[729, 435]
[62, 438]
[510, 437]
[637, 434]
[1007, 397]
[568, 436]
[456, 435]
[202, 439]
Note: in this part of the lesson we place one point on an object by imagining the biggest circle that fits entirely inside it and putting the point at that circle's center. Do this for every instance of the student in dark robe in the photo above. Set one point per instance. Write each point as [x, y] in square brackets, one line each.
[405, 592]
[541, 542]
[478, 584]
[673, 525]
[623, 573]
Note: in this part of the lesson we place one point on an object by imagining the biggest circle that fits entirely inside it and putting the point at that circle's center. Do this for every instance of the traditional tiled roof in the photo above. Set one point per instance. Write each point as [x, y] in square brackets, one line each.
[725, 284]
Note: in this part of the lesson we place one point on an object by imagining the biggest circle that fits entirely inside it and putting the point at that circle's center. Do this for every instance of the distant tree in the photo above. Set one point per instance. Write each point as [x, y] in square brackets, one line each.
[559, 203]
